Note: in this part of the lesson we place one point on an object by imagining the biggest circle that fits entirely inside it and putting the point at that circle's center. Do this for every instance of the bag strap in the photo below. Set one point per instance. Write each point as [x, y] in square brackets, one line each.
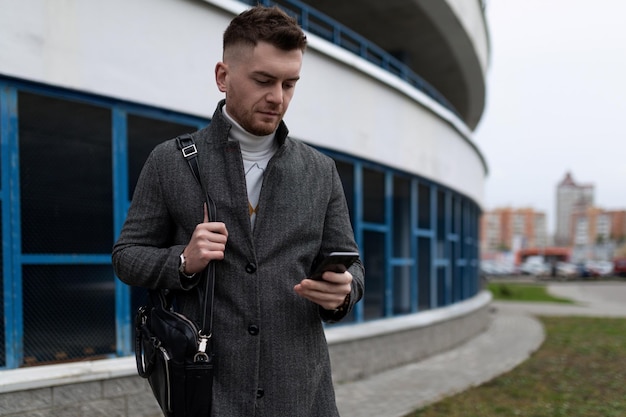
[189, 150]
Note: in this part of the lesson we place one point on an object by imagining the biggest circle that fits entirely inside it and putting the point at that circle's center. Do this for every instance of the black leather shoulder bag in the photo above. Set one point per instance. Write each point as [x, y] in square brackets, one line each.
[172, 352]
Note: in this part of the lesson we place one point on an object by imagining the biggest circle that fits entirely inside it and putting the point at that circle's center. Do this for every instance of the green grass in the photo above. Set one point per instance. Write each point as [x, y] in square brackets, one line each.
[522, 292]
[579, 371]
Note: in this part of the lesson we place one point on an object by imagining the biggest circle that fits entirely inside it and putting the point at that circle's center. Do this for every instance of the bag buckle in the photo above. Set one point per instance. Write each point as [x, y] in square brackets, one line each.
[189, 150]
[201, 356]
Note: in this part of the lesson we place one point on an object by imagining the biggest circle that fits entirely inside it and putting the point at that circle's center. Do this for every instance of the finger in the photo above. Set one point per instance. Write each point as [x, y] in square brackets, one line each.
[326, 300]
[337, 278]
[206, 214]
[217, 231]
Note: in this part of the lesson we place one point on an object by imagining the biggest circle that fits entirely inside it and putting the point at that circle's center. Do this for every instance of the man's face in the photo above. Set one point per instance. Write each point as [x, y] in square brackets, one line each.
[259, 83]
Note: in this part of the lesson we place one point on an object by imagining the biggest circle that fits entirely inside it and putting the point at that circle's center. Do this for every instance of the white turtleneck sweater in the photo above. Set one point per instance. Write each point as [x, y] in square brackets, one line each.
[256, 152]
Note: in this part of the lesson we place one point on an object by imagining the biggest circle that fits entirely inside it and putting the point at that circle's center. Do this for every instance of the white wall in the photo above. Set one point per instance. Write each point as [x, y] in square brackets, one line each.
[470, 14]
[163, 53]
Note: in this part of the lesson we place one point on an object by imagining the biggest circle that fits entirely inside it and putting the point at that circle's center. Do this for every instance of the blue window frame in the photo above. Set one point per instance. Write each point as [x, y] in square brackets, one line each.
[68, 165]
[419, 240]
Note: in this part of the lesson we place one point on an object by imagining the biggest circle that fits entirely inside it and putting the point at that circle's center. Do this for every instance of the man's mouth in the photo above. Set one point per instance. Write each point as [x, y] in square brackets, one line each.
[271, 114]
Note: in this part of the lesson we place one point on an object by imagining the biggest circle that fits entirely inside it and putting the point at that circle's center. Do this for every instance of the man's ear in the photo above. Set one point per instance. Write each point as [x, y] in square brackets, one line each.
[221, 70]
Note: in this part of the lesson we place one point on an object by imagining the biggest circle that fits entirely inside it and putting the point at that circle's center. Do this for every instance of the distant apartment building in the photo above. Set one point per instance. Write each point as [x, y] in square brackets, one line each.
[570, 197]
[595, 226]
[590, 226]
[618, 225]
[511, 229]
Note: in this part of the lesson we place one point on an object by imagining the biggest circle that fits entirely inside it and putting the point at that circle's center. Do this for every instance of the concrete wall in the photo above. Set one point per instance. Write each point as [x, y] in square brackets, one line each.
[117, 397]
[359, 351]
[111, 388]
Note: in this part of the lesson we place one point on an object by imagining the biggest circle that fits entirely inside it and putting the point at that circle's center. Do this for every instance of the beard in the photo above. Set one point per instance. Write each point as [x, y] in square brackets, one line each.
[259, 124]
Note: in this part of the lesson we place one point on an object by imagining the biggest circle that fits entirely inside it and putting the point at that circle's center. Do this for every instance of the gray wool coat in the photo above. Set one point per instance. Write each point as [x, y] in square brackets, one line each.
[272, 356]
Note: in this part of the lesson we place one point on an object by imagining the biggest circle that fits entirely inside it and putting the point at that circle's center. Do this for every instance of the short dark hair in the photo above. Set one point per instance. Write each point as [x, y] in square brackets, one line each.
[267, 24]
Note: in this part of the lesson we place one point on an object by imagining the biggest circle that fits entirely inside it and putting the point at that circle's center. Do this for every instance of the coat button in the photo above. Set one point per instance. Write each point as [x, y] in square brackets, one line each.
[260, 393]
[251, 268]
[253, 329]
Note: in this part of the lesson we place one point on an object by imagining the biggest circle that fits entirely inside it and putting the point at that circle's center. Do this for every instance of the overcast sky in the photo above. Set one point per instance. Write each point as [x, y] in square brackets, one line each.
[556, 102]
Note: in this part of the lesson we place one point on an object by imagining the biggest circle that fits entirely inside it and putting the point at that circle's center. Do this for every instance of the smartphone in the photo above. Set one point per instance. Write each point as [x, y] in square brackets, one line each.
[335, 262]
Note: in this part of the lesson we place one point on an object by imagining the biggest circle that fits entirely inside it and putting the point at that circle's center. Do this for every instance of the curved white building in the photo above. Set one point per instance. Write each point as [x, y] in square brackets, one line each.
[390, 90]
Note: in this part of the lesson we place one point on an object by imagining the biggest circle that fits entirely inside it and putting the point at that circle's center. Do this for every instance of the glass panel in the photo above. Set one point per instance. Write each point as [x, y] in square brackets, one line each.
[454, 214]
[462, 282]
[68, 313]
[374, 261]
[401, 218]
[401, 289]
[473, 250]
[65, 176]
[455, 289]
[2, 91]
[346, 172]
[423, 220]
[442, 293]
[424, 262]
[441, 225]
[373, 196]
[144, 133]
[462, 228]
[3, 327]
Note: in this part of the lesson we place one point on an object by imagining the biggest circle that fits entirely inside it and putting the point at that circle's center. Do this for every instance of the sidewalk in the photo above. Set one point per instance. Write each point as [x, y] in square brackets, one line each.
[514, 334]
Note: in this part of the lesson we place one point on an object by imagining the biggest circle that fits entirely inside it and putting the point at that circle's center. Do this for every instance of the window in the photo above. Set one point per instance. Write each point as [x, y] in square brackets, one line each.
[346, 173]
[424, 271]
[66, 208]
[402, 290]
[65, 176]
[424, 207]
[373, 196]
[60, 197]
[401, 217]
[374, 259]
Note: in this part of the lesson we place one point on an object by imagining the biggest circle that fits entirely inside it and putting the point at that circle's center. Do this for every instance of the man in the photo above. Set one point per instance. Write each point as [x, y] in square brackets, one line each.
[281, 208]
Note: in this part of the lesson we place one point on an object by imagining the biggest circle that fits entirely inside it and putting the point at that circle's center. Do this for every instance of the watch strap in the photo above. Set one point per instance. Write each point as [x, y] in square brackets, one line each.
[181, 268]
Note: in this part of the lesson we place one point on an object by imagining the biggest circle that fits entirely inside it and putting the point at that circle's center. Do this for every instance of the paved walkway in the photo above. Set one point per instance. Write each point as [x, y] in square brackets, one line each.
[512, 337]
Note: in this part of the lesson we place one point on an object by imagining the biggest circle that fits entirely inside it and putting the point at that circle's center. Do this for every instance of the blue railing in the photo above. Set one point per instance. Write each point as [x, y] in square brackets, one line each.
[317, 23]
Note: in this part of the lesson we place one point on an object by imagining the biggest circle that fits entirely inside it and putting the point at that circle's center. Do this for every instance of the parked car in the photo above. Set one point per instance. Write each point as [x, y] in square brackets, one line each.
[496, 268]
[566, 270]
[619, 267]
[599, 268]
[535, 266]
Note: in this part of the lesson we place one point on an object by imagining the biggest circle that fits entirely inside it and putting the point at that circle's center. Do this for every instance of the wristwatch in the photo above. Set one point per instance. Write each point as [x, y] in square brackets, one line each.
[183, 264]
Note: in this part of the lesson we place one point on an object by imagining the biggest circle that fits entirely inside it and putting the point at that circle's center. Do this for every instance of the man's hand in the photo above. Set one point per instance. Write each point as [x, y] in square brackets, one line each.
[207, 243]
[329, 292]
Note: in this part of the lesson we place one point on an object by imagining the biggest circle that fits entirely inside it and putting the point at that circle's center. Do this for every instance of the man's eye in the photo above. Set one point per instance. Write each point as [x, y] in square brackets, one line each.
[263, 82]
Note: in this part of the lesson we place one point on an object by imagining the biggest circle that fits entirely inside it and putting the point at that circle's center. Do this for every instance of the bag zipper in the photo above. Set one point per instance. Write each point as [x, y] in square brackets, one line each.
[168, 391]
[201, 339]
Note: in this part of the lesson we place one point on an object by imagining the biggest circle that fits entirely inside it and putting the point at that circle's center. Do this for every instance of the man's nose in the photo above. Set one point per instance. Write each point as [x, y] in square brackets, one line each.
[275, 95]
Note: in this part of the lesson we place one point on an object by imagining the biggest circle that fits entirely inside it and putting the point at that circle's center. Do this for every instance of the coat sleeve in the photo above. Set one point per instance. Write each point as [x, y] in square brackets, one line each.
[146, 254]
[338, 233]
